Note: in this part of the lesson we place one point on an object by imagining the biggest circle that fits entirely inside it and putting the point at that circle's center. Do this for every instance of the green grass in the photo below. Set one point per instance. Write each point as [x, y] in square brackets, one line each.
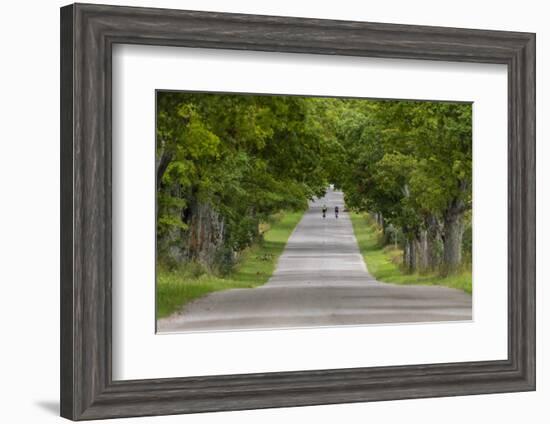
[384, 262]
[177, 288]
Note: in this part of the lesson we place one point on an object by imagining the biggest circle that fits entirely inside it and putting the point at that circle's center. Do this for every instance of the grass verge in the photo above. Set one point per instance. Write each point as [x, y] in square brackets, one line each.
[177, 288]
[384, 262]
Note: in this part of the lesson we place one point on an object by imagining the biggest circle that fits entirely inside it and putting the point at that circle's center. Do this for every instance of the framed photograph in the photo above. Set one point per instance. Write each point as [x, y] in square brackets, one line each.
[262, 212]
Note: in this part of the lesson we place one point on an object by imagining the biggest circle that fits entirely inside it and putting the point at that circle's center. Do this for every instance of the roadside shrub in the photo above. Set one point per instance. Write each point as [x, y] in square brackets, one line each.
[224, 261]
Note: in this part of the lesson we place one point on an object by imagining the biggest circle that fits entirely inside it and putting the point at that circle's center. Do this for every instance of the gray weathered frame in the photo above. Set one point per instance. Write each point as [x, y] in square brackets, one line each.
[88, 33]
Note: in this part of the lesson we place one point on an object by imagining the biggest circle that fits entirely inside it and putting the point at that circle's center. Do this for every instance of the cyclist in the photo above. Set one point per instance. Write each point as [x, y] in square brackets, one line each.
[336, 210]
[324, 211]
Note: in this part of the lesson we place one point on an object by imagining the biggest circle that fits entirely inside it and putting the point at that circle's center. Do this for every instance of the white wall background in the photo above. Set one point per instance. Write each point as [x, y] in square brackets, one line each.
[29, 212]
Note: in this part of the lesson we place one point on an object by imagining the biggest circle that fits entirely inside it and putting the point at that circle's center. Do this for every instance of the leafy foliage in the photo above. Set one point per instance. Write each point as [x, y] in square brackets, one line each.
[226, 162]
[411, 162]
[241, 157]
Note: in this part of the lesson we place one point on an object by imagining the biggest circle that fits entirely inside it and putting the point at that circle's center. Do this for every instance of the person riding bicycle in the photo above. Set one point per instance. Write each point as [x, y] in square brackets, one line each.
[324, 211]
[336, 210]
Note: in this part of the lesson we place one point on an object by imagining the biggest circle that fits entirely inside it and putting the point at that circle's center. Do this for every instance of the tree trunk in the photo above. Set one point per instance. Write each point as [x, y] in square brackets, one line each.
[421, 248]
[163, 161]
[453, 230]
[435, 242]
[410, 256]
[406, 255]
[206, 234]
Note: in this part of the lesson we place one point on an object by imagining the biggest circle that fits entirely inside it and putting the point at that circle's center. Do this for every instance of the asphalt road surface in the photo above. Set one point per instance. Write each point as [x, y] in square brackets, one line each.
[320, 280]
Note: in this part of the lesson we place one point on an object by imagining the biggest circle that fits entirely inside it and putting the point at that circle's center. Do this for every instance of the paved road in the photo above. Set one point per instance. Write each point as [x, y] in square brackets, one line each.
[320, 280]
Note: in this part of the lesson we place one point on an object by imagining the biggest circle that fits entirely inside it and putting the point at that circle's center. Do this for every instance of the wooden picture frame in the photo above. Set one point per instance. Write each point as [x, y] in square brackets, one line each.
[88, 33]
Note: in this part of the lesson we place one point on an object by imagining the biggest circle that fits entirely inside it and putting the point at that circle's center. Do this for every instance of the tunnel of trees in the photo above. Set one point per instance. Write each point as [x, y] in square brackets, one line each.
[225, 163]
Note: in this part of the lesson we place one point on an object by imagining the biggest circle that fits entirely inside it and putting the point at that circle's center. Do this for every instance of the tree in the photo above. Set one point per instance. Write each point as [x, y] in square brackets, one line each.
[227, 162]
[411, 165]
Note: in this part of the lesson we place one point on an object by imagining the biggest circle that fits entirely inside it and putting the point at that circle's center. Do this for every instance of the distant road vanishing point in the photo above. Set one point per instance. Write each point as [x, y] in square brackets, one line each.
[320, 280]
